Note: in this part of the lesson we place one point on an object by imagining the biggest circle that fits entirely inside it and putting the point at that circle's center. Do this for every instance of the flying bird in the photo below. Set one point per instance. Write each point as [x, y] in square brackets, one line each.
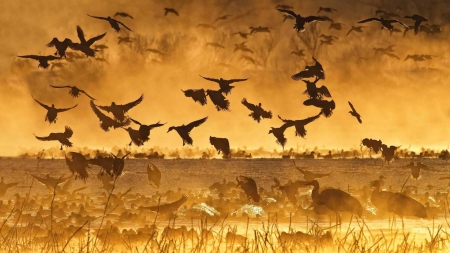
[61, 46]
[242, 34]
[311, 71]
[218, 100]
[279, 133]
[118, 165]
[184, 130]
[119, 110]
[301, 21]
[144, 130]
[106, 122]
[417, 21]
[63, 138]
[300, 125]
[196, 95]
[313, 92]
[77, 165]
[326, 106]
[224, 84]
[326, 9]
[135, 137]
[153, 174]
[51, 182]
[52, 112]
[354, 113]
[415, 169]
[221, 144]
[123, 14]
[386, 23]
[222, 18]
[43, 60]
[113, 22]
[242, 47]
[356, 29]
[85, 46]
[74, 91]
[257, 111]
[249, 186]
[170, 10]
[308, 175]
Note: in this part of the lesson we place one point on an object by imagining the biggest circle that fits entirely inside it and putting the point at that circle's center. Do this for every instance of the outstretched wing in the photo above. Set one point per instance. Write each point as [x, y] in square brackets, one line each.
[403, 24]
[82, 91]
[128, 106]
[94, 39]
[310, 19]
[65, 109]
[124, 25]
[136, 122]
[45, 106]
[324, 91]
[80, 34]
[237, 80]
[54, 86]
[52, 43]
[50, 137]
[210, 79]
[196, 123]
[369, 20]
[97, 17]
[288, 12]
[351, 106]
[266, 114]
[106, 122]
[156, 125]
[311, 119]
[68, 132]
[250, 106]
[34, 57]
[285, 120]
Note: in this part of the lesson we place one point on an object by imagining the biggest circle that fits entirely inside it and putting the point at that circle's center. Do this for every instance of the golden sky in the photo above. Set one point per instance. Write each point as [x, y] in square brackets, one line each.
[401, 102]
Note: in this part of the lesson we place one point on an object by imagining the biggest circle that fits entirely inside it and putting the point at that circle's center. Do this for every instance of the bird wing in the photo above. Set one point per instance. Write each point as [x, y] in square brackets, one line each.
[99, 114]
[50, 137]
[369, 20]
[310, 19]
[250, 106]
[136, 122]
[45, 106]
[68, 132]
[80, 34]
[210, 79]
[65, 109]
[403, 24]
[288, 12]
[34, 57]
[54, 86]
[266, 114]
[285, 120]
[392, 55]
[324, 91]
[237, 80]
[196, 123]
[124, 25]
[349, 31]
[94, 39]
[351, 106]
[310, 119]
[156, 125]
[98, 17]
[130, 105]
[87, 94]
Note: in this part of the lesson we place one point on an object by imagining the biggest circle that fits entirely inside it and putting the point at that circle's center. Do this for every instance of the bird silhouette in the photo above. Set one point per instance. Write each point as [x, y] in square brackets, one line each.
[85, 46]
[388, 152]
[308, 175]
[196, 95]
[61, 46]
[379, 198]
[167, 209]
[417, 21]
[354, 113]
[357, 29]
[224, 17]
[221, 144]
[249, 186]
[63, 137]
[74, 91]
[208, 26]
[43, 60]
[123, 14]
[326, 106]
[372, 145]
[403, 205]
[301, 21]
[242, 47]
[106, 165]
[113, 22]
[77, 165]
[386, 23]
[242, 34]
[313, 92]
[326, 18]
[336, 200]
[119, 110]
[170, 10]
[328, 37]
[118, 164]
[259, 29]
[257, 111]
[51, 182]
[279, 133]
[184, 130]
[224, 84]
[326, 9]
[144, 130]
[381, 50]
[4, 187]
[315, 70]
[415, 57]
[52, 112]
[154, 175]
[415, 169]
[336, 26]
[106, 122]
[218, 100]
[135, 137]
[300, 125]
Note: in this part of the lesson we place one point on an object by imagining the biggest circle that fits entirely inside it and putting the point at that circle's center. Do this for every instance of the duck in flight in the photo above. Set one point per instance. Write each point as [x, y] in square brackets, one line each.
[224, 83]
[326, 9]
[301, 21]
[119, 110]
[74, 91]
[300, 124]
[170, 10]
[279, 133]
[43, 60]
[196, 95]
[113, 22]
[77, 165]
[106, 122]
[218, 100]
[52, 112]
[135, 137]
[357, 29]
[257, 111]
[85, 45]
[123, 14]
[63, 138]
[354, 113]
[326, 106]
[385, 23]
[61, 46]
[144, 130]
[315, 70]
[313, 92]
[184, 130]
[417, 21]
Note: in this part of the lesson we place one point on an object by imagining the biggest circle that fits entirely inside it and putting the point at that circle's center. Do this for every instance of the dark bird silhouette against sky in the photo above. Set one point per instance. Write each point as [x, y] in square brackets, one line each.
[144, 130]
[153, 175]
[326, 9]
[224, 84]
[77, 165]
[417, 21]
[61, 46]
[357, 29]
[85, 45]
[300, 124]
[242, 47]
[63, 137]
[135, 136]
[196, 95]
[308, 175]
[52, 112]
[388, 152]
[257, 111]
[386, 23]
[313, 92]
[372, 145]
[415, 169]
[170, 10]
[249, 186]
[224, 17]
[326, 106]
[123, 14]
[74, 91]
[115, 24]
[354, 113]
[184, 130]
[106, 122]
[43, 60]
[119, 111]
[301, 21]
[221, 145]
[242, 34]
[279, 133]
[218, 100]
[315, 70]
[118, 165]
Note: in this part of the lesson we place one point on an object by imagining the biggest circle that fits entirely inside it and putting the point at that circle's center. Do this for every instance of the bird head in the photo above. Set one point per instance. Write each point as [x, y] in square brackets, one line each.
[171, 128]
[259, 104]
[313, 183]
[113, 104]
[53, 106]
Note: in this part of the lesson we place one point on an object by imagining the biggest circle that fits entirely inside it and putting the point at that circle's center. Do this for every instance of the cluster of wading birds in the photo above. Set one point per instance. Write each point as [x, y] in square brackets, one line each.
[334, 199]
